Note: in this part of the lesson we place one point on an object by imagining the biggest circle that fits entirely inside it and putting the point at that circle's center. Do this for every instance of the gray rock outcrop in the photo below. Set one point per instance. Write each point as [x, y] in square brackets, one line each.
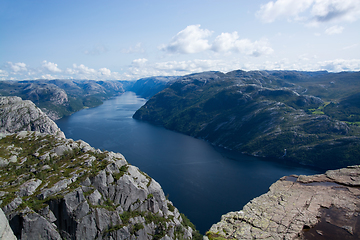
[299, 207]
[18, 115]
[63, 189]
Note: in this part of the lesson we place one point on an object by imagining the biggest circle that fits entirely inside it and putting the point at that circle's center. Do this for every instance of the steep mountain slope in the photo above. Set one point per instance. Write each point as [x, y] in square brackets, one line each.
[57, 188]
[257, 113]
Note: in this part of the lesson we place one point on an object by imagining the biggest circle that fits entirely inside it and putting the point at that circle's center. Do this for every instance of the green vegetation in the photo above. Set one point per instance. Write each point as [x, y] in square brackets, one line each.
[170, 207]
[123, 170]
[187, 223]
[136, 227]
[35, 156]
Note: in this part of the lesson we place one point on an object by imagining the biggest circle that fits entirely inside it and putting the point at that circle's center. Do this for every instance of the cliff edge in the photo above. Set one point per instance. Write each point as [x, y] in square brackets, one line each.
[57, 188]
[324, 206]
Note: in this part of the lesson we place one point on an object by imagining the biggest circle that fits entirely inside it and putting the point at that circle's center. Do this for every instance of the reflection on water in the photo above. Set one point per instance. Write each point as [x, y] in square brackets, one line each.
[201, 181]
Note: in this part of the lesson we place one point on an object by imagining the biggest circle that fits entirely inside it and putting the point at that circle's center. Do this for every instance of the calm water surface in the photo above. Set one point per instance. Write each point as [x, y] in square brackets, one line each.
[202, 182]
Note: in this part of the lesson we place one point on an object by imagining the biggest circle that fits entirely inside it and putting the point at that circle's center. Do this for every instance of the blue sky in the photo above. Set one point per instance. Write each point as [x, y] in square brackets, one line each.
[128, 40]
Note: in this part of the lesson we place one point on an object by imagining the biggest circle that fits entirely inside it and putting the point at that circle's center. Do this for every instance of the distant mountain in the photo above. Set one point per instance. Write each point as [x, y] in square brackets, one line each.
[307, 117]
[148, 87]
[59, 98]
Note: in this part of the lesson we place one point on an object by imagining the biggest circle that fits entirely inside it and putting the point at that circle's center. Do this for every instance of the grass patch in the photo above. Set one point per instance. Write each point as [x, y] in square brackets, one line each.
[353, 123]
[8, 198]
[123, 170]
[170, 207]
[136, 227]
[187, 223]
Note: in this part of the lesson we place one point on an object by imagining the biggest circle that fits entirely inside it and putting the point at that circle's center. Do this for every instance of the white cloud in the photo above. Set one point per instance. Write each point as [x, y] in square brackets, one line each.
[334, 30]
[83, 72]
[225, 42]
[52, 67]
[138, 48]
[80, 69]
[190, 40]
[339, 65]
[230, 42]
[140, 61]
[48, 77]
[283, 8]
[193, 40]
[105, 72]
[342, 10]
[3, 74]
[17, 67]
[315, 11]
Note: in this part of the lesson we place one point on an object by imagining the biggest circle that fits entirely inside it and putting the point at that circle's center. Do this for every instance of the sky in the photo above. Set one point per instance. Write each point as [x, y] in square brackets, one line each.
[129, 40]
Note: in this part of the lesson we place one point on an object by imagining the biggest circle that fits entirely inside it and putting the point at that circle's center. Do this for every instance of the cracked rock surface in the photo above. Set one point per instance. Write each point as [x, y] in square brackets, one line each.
[296, 206]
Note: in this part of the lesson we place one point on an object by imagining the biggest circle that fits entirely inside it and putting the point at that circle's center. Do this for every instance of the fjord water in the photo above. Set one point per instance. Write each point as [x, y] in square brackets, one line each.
[201, 181]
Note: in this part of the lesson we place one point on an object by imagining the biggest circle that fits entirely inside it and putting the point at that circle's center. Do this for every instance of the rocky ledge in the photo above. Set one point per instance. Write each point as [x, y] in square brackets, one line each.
[325, 206]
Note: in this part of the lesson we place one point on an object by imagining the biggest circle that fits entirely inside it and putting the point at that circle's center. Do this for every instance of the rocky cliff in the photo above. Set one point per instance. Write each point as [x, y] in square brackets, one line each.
[57, 188]
[18, 115]
[324, 206]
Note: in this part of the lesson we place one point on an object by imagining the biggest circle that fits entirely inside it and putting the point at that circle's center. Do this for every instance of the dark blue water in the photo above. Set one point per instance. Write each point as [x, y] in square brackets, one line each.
[202, 182]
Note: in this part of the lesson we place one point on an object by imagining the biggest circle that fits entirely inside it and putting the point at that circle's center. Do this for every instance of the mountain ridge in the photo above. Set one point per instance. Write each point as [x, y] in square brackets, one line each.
[260, 114]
